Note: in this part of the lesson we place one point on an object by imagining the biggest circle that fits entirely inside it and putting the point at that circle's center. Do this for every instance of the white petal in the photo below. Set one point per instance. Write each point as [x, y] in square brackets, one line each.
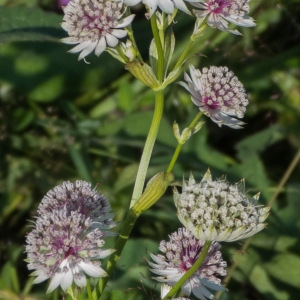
[152, 5]
[92, 270]
[105, 253]
[167, 6]
[132, 2]
[81, 46]
[54, 283]
[69, 40]
[180, 4]
[125, 22]
[100, 46]
[67, 279]
[88, 50]
[111, 40]
[79, 277]
[119, 33]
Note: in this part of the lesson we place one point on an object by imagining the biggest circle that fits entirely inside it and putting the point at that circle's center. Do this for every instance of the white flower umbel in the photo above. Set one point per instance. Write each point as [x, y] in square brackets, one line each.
[167, 6]
[94, 25]
[219, 211]
[218, 94]
[220, 12]
[179, 255]
[64, 247]
[80, 197]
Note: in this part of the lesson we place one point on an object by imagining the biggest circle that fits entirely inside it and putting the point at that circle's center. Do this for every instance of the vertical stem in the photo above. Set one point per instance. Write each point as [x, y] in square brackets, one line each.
[142, 171]
[190, 272]
[121, 241]
[160, 51]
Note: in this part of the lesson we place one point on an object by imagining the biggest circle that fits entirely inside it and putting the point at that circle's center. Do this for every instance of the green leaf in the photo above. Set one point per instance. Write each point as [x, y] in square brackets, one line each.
[261, 281]
[19, 24]
[127, 177]
[285, 268]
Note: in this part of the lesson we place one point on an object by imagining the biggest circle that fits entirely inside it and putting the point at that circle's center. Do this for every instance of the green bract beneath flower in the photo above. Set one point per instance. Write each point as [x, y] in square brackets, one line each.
[94, 25]
[218, 211]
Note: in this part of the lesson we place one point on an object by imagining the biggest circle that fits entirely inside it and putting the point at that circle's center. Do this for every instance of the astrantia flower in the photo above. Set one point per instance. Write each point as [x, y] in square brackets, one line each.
[167, 6]
[218, 211]
[220, 12]
[79, 197]
[179, 255]
[165, 289]
[218, 94]
[94, 25]
[64, 247]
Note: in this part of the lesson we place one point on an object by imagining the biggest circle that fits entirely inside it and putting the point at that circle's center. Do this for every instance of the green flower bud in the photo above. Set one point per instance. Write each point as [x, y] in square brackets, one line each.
[155, 188]
[144, 73]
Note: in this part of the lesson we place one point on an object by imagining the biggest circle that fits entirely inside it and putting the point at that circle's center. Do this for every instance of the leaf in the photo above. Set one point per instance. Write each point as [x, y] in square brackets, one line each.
[285, 268]
[19, 24]
[261, 281]
[126, 178]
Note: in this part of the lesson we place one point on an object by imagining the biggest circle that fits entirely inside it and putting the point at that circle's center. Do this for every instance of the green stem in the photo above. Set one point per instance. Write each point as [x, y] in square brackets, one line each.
[120, 243]
[199, 28]
[180, 144]
[160, 51]
[190, 272]
[149, 144]
[131, 217]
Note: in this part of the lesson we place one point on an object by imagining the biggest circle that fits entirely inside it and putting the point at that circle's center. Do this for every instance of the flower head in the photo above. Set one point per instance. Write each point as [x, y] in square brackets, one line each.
[94, 25]
[79, 197]
[218, 94]
[179, 255]
[218, 211]
[167, 6]
[64, 247]
[220, 12]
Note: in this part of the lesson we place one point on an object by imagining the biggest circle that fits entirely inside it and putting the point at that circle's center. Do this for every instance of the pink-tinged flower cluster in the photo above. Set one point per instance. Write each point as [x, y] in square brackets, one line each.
[218, 94]
[178, 256]
[94, 25]
[221, 12]
[67, 239]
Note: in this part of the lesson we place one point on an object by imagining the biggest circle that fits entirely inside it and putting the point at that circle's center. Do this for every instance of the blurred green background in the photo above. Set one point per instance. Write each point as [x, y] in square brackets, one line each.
[61, 119]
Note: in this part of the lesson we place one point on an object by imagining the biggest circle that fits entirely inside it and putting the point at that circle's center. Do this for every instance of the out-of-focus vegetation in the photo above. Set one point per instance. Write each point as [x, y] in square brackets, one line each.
[61, 119]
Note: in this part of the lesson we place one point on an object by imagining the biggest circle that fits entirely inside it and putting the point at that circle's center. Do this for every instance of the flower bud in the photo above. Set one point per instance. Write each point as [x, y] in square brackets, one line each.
[155, 188]
[144, 73]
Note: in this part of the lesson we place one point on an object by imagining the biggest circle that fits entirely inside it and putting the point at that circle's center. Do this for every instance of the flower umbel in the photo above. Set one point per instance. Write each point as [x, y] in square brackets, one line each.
[63, 247]
[66, 242]
[218, 94]
[94, 25]
[218, 211]
[80, 197]
[220, 12]
[179, 254]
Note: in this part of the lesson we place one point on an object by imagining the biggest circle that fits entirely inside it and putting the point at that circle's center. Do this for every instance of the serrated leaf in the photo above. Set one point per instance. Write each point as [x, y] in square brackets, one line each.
[20, 24]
